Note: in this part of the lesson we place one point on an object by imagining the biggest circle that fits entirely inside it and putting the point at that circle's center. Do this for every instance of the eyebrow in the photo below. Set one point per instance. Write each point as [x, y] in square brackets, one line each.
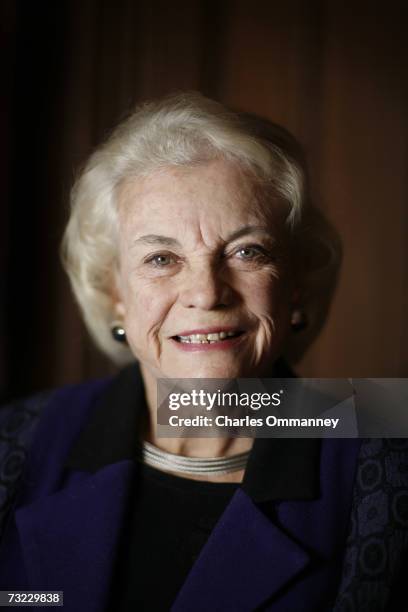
[156, 239]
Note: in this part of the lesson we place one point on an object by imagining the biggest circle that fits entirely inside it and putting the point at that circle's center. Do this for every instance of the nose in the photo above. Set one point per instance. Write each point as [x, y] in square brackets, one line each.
[205, 288]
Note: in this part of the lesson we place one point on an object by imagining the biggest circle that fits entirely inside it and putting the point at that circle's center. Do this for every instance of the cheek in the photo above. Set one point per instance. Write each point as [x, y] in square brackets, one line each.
[146, 306]
[265, 294]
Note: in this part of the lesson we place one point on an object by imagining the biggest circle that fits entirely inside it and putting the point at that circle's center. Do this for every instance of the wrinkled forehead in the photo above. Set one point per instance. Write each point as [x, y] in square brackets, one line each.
[218, 194]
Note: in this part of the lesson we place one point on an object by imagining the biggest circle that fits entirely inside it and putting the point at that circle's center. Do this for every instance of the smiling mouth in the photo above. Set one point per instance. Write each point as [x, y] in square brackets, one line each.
[210, 338]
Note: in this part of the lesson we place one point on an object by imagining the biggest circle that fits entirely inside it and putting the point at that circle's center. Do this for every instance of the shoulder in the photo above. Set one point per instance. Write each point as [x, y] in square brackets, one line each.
[48, 421]
[18, 418]
[21, 419]
[377, 543]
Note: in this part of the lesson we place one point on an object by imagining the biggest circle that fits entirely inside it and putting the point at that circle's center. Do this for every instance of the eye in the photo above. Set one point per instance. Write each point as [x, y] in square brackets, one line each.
[160, 260]
[251, 252]
[247, 252]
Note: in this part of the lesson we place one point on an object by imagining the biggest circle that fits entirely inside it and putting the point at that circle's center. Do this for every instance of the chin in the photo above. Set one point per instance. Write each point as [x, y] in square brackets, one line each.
[207, 371]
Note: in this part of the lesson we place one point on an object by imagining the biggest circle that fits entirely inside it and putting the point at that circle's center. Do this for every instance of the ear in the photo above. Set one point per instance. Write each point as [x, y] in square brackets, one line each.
[119, 309]
[296, 295]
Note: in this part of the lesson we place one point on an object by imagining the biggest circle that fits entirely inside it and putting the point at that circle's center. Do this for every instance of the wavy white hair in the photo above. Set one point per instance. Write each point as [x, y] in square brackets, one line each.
[179, 130]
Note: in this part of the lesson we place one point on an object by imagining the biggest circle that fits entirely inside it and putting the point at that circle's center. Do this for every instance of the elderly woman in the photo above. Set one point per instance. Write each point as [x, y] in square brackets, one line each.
[185, 250]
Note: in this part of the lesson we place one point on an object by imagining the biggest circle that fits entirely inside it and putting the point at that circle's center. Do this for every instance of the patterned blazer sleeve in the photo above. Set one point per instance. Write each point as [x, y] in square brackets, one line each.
[18, 422]
[375, 569]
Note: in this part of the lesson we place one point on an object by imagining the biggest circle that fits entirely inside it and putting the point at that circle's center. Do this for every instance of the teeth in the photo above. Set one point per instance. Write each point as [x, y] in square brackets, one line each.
[206, 338]
[213, 336]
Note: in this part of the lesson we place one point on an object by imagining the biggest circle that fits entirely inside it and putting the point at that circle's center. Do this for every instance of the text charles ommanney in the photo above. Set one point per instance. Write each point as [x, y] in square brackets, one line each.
[248, 421]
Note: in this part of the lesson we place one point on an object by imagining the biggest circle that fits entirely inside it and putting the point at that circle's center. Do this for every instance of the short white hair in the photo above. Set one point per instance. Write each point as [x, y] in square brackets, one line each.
[180, 130]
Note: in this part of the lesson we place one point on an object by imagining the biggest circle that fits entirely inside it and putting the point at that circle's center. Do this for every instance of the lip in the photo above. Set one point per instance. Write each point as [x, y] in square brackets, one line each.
[221, 345]
[208, 330]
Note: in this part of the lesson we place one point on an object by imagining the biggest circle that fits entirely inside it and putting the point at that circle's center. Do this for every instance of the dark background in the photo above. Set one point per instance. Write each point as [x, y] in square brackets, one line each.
[334, 73]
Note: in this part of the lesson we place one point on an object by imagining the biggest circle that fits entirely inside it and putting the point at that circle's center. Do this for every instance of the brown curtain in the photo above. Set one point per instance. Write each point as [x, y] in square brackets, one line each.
[334, 73]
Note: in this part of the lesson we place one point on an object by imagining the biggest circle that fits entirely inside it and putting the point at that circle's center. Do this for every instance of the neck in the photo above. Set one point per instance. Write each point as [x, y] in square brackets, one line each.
[188, 447]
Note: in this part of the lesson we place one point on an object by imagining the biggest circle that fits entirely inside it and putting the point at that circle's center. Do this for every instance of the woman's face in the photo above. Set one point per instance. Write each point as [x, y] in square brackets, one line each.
[204, 273]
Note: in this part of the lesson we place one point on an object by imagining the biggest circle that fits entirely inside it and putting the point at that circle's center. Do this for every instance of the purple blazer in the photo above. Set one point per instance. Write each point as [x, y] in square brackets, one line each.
[343, 550]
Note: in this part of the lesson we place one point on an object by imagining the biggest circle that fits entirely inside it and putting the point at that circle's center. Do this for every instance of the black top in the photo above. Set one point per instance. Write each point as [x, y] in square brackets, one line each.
[169, 518]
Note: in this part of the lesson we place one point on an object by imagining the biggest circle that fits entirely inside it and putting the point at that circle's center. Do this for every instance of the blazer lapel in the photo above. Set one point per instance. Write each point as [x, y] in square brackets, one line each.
[69, 538]
[245, 561]
[250, 560]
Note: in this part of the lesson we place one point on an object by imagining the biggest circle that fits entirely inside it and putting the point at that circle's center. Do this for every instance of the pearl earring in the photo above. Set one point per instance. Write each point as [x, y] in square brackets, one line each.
[118, 332]
[298, 320]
